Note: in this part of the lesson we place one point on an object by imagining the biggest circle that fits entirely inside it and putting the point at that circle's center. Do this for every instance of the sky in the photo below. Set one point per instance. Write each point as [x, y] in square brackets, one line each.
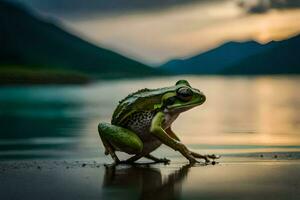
[157, 31]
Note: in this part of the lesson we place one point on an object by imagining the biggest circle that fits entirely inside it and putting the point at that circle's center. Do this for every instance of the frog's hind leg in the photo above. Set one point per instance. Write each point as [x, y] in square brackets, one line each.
[109, 149]
[117, 138]
[134, 158]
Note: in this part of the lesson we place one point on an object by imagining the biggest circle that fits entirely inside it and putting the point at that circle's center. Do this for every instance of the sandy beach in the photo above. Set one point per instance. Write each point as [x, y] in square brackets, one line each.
[232, 178]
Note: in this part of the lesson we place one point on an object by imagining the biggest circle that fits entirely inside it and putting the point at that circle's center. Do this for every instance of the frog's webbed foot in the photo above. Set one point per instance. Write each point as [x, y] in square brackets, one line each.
[124, 162]
[163, 160]
[158, 160]
[206, 157]
[130, 161]
[213, 156]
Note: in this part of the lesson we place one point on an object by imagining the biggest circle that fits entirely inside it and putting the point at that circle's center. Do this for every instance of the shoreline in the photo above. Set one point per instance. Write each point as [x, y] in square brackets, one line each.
[91, 179]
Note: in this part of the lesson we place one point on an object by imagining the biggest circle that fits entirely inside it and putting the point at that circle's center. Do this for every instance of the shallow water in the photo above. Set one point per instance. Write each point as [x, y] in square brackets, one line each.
[246, 116]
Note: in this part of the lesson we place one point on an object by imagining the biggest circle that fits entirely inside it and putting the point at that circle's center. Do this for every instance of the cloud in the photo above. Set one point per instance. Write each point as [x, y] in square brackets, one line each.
[91, 7]
[261, 6]
[158, 36]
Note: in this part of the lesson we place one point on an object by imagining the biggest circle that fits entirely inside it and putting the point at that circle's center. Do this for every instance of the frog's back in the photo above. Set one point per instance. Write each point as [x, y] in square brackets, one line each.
[136, 111]
[138, 105]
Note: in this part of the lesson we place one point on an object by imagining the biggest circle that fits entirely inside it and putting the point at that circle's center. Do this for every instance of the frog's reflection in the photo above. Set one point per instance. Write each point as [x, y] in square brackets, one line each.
[150, 182]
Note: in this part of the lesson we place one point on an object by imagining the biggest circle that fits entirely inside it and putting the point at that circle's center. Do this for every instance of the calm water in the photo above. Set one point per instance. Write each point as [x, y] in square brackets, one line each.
[49, 135]
[241, 116]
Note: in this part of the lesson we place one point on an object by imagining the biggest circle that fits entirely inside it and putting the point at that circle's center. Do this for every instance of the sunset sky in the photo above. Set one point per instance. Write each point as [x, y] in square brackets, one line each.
[153, 34]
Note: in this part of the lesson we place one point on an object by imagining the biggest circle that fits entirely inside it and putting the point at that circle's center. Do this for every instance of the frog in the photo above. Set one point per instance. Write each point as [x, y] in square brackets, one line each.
[142, 121]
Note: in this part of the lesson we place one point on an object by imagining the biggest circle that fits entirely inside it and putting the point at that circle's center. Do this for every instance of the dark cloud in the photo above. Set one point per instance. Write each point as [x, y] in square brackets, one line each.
[87, 7]
[83, 8]
[260, 6]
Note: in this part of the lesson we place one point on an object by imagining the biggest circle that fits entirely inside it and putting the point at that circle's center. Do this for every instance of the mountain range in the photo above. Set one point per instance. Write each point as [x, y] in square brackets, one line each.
[31, 42]
[242, 58]
[35, 49]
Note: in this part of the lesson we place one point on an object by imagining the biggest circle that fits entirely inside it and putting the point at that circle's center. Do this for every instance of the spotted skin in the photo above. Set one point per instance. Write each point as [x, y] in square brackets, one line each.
[140, 123]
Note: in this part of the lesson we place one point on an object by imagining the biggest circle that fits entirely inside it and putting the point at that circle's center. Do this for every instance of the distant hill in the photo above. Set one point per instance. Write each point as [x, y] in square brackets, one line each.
[282, 58]
[30, 42]
[243, 58]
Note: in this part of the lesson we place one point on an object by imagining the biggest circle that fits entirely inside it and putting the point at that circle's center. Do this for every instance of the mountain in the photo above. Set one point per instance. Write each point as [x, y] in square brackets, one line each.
[282, 58]
[242, 58]
[31, 42]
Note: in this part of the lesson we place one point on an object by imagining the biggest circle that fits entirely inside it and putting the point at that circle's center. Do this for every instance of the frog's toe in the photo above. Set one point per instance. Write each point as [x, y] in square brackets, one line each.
[212, 163]
[164, 160]
[213, 156]
[193, 161]
[207, 161]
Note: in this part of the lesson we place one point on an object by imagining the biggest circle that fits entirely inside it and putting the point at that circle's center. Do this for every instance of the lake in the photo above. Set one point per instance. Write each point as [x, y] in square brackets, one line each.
[245, 119]
[241, 115]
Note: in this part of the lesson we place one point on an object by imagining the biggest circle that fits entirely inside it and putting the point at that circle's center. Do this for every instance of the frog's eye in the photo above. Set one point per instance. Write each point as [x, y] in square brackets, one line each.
[184, 94]
[184, 82]
[170, 101]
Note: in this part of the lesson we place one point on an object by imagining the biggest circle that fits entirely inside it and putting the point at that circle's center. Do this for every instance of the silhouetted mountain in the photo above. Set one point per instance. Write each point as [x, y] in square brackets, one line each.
[242, 58]
[34, 43]
[282, 58]
[213, 61]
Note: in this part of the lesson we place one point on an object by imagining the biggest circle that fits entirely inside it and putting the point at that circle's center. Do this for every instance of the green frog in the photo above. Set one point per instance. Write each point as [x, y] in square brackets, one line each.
[142, 122]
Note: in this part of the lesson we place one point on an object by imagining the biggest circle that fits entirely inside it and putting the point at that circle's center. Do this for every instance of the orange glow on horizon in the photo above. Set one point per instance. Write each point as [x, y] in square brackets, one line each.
[158, 36]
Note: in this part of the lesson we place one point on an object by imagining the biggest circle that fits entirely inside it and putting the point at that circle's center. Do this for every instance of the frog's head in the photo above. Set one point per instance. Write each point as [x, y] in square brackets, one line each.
[182, 98]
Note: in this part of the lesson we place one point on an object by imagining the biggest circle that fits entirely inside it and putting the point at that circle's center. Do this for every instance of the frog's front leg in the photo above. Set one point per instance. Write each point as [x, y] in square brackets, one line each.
[157, 130]
[196, 155]
[120, 139]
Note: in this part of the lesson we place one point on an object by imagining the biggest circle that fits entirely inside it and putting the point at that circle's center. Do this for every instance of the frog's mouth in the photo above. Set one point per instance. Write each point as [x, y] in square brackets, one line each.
[187, 106]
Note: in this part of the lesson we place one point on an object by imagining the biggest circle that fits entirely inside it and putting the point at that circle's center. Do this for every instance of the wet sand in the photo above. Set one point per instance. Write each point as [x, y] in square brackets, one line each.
[232, 178]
